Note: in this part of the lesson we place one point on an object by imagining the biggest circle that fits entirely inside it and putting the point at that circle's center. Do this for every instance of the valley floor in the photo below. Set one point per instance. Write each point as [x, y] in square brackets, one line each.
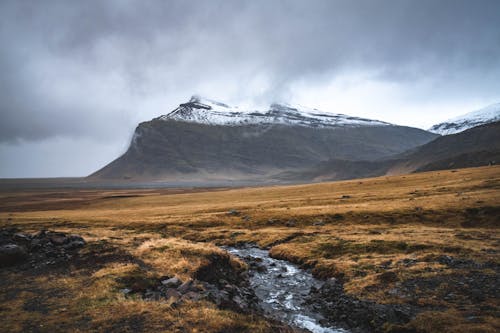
[426, 243]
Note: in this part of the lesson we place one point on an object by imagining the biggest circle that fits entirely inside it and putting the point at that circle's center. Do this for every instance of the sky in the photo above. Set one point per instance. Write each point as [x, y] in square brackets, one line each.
[76, 77]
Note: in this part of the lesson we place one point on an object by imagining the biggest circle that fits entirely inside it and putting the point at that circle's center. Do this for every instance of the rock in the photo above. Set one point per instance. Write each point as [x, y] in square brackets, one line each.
[74, 241]
[345, 196]
[35, 244]
[152, 295]
[173, 294]
[74, 245]
[125, 291]
[21, 238]
[386, 264]
[394, 292]
[332, 287]
[319, 223]
[230, 288]
[12, 254]
[357, 314]
[240, 303]
[271, 221]
[172, 282]
[58, 238]
[41, 234]
[76, 238]
[234, 212]
[408, 262]
[185, 287]
[192, 296]
[388, 277]
[291, 223]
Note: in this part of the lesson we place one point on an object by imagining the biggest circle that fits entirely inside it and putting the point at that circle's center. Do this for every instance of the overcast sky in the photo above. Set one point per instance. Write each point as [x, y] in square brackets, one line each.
[77, 76]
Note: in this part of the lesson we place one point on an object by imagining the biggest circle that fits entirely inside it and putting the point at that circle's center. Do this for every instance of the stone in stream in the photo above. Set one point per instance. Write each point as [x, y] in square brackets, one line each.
[281, 289]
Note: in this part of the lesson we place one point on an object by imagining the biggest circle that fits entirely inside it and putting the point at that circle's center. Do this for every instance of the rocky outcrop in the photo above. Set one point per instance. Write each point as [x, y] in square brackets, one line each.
[218, 281]
[353, 313]
[36, 250]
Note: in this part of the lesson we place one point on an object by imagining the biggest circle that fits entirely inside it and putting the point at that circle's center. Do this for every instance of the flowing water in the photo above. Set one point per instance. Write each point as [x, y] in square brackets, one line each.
[282, 289]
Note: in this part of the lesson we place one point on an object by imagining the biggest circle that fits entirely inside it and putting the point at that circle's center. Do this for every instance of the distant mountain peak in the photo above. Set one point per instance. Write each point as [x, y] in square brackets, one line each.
[458, 124]
[210, 112]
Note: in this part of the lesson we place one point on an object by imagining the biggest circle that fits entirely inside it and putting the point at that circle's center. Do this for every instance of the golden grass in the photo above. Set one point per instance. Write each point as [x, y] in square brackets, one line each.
[345, 229]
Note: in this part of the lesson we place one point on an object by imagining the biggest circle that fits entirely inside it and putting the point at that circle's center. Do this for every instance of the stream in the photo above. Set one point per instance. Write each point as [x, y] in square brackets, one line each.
[282, 288]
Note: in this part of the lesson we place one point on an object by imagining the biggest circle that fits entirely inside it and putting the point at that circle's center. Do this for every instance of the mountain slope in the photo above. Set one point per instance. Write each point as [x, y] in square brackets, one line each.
[478, 146]
[202, 141]
[483, 116]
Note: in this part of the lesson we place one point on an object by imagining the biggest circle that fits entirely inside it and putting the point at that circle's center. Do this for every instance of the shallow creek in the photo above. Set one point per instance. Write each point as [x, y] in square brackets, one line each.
[282, 289]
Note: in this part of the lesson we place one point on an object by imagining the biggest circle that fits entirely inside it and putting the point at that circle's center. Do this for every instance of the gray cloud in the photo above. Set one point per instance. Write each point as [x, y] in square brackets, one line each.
[93, 69]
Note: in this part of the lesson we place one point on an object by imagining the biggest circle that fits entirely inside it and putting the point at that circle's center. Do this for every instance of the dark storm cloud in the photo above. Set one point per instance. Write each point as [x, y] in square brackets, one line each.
[89, 68]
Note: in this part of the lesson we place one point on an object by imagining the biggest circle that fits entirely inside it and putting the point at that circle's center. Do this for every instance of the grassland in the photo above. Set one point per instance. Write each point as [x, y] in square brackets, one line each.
[430, 240]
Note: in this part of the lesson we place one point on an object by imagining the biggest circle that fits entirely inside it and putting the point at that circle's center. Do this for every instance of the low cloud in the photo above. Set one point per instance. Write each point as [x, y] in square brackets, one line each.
[93, 69]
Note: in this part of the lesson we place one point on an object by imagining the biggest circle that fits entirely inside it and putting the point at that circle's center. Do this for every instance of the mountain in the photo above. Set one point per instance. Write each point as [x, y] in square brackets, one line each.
[483, 116]
[207, 140]
[478, 146]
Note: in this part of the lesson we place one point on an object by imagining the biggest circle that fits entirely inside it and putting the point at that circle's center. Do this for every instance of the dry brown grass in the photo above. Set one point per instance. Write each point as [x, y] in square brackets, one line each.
[346, 229]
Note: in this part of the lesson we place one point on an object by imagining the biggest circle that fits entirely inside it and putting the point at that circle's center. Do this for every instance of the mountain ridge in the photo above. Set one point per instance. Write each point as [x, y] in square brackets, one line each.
[206, 111]
[486, 115]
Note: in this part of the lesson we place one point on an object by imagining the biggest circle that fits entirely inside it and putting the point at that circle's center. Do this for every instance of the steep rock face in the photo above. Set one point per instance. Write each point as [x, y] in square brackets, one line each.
[483, 116]
[200, 141]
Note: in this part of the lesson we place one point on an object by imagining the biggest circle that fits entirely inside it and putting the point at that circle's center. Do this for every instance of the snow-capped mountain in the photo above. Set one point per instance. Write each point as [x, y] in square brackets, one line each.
[251, 144]
[205, 111]
[458, 124]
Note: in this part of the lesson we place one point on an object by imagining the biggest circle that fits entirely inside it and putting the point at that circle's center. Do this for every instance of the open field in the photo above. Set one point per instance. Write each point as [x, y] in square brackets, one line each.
[427, 240]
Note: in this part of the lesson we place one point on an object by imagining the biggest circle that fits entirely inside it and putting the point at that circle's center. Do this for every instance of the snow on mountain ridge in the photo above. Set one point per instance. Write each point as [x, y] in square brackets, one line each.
[458, 124]
[210, 112]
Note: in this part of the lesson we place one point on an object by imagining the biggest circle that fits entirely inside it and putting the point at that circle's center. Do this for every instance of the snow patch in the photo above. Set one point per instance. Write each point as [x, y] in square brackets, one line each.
[458, 124]
[210, 112]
